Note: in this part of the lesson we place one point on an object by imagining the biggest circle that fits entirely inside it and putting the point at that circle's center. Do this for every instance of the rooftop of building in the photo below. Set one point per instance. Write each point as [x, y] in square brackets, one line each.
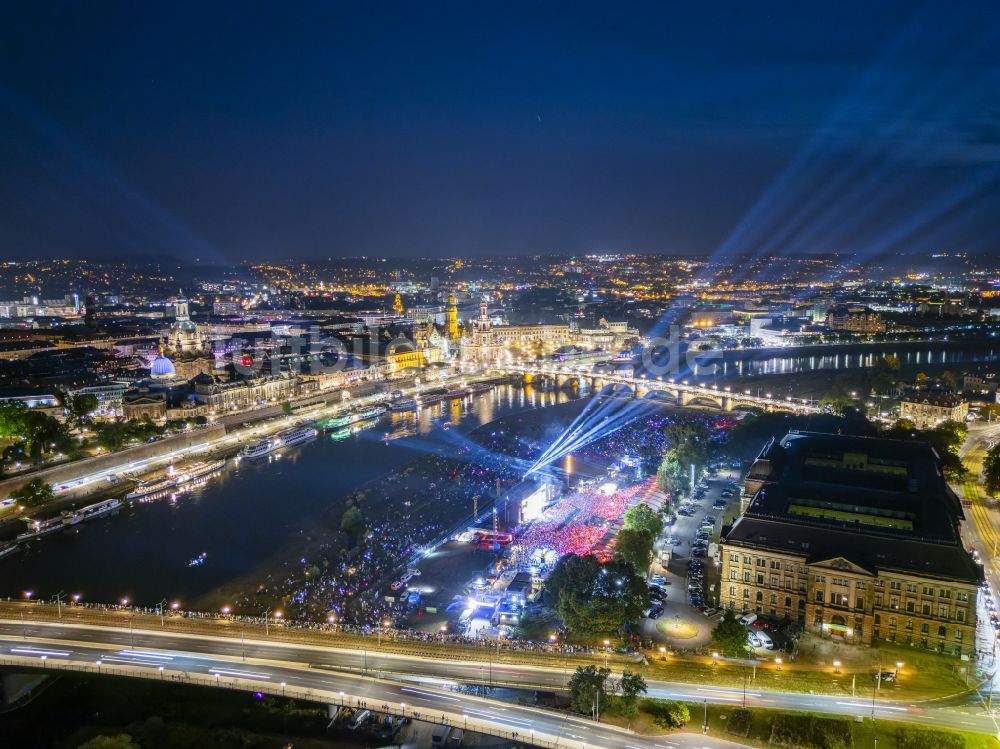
[941, 398]
[876, 502]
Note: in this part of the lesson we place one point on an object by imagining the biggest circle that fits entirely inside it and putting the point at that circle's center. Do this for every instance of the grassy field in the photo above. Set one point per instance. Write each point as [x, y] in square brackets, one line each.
[924, 675]
[863, 733]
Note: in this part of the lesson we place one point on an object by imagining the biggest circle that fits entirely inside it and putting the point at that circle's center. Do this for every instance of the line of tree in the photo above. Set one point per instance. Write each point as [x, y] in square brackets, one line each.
[634, 544]
[32, 494]
[591, 690]
[689, 444]
[991, 470]
[31, 433]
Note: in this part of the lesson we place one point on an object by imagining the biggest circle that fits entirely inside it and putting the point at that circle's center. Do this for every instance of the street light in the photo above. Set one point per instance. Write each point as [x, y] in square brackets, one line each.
[777, 662]
[715, 657]
[836, 667]
[607, 645]
[899, 665]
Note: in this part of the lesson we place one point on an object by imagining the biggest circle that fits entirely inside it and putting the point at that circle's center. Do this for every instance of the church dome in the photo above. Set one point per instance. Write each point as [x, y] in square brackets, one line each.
[162, 367]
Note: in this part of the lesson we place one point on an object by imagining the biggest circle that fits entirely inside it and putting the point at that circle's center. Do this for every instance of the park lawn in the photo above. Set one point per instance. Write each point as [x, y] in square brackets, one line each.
[938, 675]
[862, 732]
[760, 726]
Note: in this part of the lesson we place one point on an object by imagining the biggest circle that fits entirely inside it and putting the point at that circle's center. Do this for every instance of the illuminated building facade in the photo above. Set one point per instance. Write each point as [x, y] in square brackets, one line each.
[856, 538]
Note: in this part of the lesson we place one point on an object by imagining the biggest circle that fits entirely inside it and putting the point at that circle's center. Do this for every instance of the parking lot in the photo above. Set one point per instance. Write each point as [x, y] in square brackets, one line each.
[682, 612]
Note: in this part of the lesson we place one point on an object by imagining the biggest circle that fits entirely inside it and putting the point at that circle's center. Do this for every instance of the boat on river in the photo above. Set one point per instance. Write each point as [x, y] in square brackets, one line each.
[90, 512]
[339, 422]
[345, 432]
[176, 479]
[286, 438]
[40, 528]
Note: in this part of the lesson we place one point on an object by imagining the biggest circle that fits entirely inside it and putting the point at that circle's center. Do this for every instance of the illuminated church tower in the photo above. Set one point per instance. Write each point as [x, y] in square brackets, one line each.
[453, 331]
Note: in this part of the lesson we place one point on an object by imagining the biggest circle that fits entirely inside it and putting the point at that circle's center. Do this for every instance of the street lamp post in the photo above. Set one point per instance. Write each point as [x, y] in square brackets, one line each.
[159, 606]
[58, 599]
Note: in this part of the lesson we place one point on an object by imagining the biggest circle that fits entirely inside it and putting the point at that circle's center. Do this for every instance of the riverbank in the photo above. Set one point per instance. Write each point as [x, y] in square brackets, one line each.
[405, 509]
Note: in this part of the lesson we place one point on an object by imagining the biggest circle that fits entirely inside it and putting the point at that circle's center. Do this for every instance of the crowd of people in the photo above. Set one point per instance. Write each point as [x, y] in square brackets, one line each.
[580, 522]
[432, 499]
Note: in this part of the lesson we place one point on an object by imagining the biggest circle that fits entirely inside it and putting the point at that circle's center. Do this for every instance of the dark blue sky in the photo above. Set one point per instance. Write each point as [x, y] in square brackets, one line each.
[250, 130]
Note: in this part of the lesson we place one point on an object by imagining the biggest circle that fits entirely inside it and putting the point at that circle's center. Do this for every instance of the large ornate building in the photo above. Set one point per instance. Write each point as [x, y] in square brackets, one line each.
[928, 408]
[856, 538]
[186, 345]
[489, 344]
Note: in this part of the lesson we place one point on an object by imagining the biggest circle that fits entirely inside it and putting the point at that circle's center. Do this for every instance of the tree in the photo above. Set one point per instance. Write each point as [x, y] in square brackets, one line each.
[671, 476]
[730, 637]
[631, 686]
[588, 688]
[352, 522]
[596, 599]
[883, 376]
[82, 405]
[119, 741]
[642, 517]
[990, 412]
[286, 407]
[689, 441]
[12, 420]
[636, 548]
[991, 470]
[571, 572]
[670, 713]
[949, 380]
[839, 397]
[34, 493]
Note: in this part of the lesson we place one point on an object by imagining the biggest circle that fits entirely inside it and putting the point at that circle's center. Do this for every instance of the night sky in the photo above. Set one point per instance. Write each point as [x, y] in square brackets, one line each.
[229, 131]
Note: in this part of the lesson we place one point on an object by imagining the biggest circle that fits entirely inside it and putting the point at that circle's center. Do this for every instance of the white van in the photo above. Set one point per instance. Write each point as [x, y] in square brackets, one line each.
[747, 620]
[761, 639]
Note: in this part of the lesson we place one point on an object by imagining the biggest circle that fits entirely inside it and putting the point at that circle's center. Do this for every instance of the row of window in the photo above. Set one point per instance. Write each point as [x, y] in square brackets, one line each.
[843, 600]
[760, 597]
[775, 580]
[774, 564]
[942, 631]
